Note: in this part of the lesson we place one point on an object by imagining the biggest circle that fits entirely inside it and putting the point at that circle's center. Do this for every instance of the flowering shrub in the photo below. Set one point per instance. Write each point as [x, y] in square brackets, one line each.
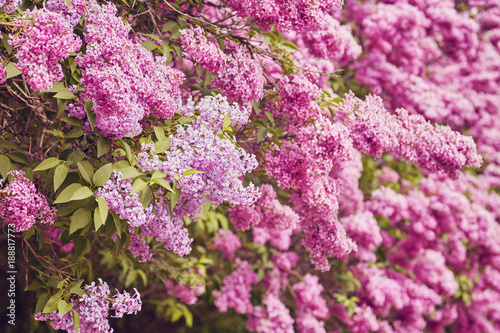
[252, 166]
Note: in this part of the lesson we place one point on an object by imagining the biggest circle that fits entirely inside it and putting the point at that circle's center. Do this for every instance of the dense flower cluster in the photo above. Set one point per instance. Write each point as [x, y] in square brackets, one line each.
[227, 242]
[44, 40]
[21, 205]
[300, 16]
[93, 308]
[10, 5]
[124, 80]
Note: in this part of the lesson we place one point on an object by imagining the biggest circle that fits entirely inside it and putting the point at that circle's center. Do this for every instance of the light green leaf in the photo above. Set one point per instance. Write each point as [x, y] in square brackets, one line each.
[64, 307]
[103, 146]
[103, 174]
[76, 320]
[163, 183]
[68, 3]
[138, 186]
[80, 219]
[87, 171]
[261, 134]
[12, 70]
[149, 45]
[53, 302]
[176, 315]
[65, 94]
[103, 208]
[60, 175]
[47, 164]
[82, 193]
[130, 172]
[5, 165]
[191, 172]
[159, 132]
[98, 222]
[67, 193]
[90, 114]
[227, 121]
[161, 146]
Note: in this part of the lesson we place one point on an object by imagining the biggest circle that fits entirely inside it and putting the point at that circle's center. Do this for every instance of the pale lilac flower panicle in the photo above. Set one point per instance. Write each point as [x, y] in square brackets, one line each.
[236, 288]
[271, 316]
[227, 242]
[21, 205]
[45, 39]
[10, 5]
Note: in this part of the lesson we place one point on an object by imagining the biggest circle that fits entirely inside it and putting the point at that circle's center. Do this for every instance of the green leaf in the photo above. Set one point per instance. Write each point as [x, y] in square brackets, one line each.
[103, 146]
[130, 172]
[227, 121]
[74, 133]
[80, 219]
[64, 307]
[103, 174]
[53, 302]
[67, 193]
[76, 288]
[47, 164]
[131, 277]
[6, 44]
[191, 172]
[76, 320]
[76, 156]
[145, 196]
[189, 318]
[7, 144]
[127, 149]
[149, 45]
[90, 114]
[159, 132]
[163, 183]
[138, 186]
[65, 94]
[68, 3]
[174, 198]
[261, 134]
[82, 193]
[152, 36]
[86, 170]
[41, 302]
[169, 26]
[176, 315]
[60, 175]
[98, 222]
[103, 208]
[290, 45]
[72, 121]
[12, 70]
[5, 165]
[161, 146]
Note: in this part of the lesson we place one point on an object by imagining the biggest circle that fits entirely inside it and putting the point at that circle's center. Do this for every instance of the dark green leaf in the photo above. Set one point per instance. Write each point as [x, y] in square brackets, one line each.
[103, 174]
[80, 219]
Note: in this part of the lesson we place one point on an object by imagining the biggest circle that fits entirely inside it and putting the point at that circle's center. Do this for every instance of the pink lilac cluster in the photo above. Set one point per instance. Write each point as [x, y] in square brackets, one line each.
[297, 99]
[435, 148]
[201, 146]
[93, 308]
[205, 53]
[10, 5]
[72, 15]
[168, 230]
[116, 192]
[277, 279]
[125, 81]
[20, 204]
[364, 230]
[227, 242]
[139, 248]
[237, 74]
[269, 212]
[236, 288]
[280, 239]
[45, 39]
[185, 293]
[435, 59]
[299, 15]
[310, 305]
[242, 78]
[212, 110]
[3, 75]
[271, 316]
